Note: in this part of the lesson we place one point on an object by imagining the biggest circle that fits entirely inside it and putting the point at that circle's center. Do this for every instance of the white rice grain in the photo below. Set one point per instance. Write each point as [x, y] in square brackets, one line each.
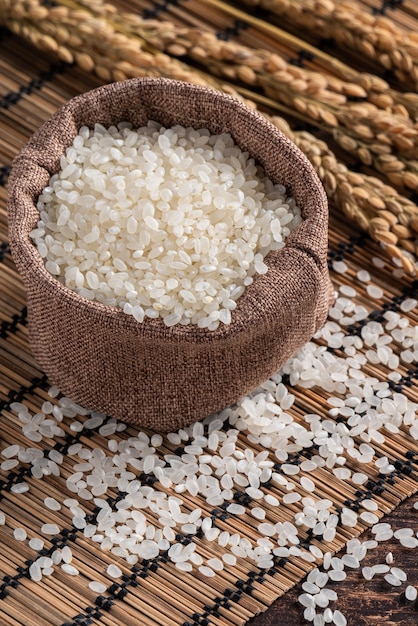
[35, 572]
[69, 569]
[206, 571]
[36, 544]
[399, 573]
[20, 534]
[411, 593]
[368, 573]
[50, 529]
[52, 503]
[393, 580]
[97, 587]
[114, 571]
[339, 618]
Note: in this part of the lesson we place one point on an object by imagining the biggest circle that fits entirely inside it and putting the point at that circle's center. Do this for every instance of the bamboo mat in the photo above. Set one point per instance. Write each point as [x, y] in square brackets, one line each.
[33, 84]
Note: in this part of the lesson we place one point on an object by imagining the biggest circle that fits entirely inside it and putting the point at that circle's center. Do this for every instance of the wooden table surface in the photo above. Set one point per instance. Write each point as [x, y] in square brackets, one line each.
[364, 603]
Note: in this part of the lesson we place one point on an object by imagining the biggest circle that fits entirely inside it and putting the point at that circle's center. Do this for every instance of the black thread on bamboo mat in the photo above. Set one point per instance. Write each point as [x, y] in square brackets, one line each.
[378, 487]
[378, 315]
[387, 4]
[406, 381]
[346, 247]
[4, 250]
[159, 7]
[4, 174]
[5, 34]
[242, 586]
[302, 56]
[117, 591]
[230, 595]
[10, 328]
[18, 396]
[35, 84]
[232, 31]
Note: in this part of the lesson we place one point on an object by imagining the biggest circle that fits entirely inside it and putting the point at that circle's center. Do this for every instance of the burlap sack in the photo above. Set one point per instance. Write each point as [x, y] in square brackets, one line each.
[148, 374]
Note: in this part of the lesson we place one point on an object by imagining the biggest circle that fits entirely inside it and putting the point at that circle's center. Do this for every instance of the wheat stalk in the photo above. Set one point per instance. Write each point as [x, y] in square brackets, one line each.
[77, 36]
[389, 218]
[373, 36]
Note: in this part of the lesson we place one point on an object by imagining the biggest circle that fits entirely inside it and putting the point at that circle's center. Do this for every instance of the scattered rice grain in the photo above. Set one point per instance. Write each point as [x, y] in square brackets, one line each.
[69, 569]
[393, 580]
[97, 587]
[52, 504]
[411, 593]
[114, 571]
[50, 529]
[20, 534]
[206, 571]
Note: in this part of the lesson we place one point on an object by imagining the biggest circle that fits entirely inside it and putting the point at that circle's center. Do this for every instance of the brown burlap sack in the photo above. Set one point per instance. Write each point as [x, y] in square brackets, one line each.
[148, 374]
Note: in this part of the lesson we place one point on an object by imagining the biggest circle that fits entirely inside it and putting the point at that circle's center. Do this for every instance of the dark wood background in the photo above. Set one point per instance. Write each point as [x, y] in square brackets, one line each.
[364, 603]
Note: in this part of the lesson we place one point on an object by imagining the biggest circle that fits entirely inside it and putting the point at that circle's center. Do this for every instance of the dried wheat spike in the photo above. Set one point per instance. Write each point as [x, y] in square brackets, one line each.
[393, 48]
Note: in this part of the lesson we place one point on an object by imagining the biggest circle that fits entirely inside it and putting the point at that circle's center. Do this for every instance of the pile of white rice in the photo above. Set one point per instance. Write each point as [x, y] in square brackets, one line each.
[170, 223]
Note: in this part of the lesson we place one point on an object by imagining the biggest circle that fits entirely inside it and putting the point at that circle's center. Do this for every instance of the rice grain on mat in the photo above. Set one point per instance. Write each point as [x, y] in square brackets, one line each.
[399, 573]
[9, 464]
[170, 223]
[10, 451]
[401, 533]
[114, 571]
[69, 569]
[20, 534]
[337, 575]
[339, 619]
[35, 572]
[19, 488]
[36, 544]
[50, 529]
[97, 587]
[67, 555]
[52, 503]
[409, 542]
[207, 571]
[368, 573]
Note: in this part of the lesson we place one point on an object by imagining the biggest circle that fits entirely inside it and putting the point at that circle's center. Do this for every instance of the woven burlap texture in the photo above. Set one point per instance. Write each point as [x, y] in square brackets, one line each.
[148, 374]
